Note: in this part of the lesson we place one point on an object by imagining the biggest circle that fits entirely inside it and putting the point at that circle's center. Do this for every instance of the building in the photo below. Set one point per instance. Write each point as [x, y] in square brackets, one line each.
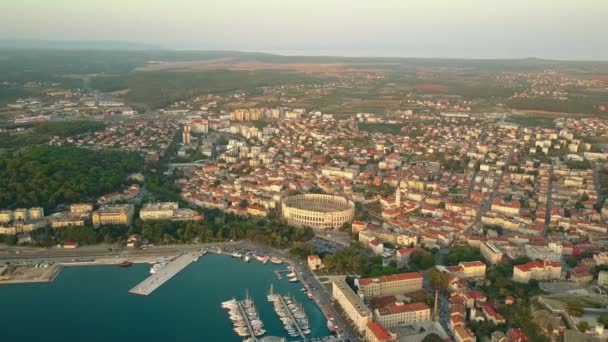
[314, 262]
[491, 253]
[468, 270]
[186, 135]
[352, 304]
[375, 332]
[400, 314]
[537, 270]
[389, 285]
[602, 278]
[66, 219]
[167, 211]
[508, 208]
[158, 211]
[317, 211]
[78, 209]
[543, 253]
[113, 214]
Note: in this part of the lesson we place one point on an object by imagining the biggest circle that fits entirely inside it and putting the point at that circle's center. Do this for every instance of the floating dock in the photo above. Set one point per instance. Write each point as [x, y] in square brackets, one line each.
[163, 275]
[247, 320]
[294, 321]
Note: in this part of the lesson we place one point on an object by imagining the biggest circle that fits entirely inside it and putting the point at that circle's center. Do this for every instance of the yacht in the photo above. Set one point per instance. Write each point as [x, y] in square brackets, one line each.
[247, 258]
[276, 260]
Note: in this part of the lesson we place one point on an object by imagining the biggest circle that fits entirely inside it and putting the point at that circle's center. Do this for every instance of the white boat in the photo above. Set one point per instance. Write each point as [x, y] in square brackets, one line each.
[236, 255]
[158, 266]
[291, 274]
[260, 258]
[276, 260]
[247, 258]
[293, 280]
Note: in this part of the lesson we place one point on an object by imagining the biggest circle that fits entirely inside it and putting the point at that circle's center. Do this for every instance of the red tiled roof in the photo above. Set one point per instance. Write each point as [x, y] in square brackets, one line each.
[389, 278]
[399, 308]
[379, 331]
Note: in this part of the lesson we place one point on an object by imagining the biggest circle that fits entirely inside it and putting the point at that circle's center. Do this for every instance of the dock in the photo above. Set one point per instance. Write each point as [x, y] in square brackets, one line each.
[157, 279]
[293, 318]
[249, 327]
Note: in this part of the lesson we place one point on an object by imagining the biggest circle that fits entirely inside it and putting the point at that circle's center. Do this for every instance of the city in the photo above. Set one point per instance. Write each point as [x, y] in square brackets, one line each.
[217, 195]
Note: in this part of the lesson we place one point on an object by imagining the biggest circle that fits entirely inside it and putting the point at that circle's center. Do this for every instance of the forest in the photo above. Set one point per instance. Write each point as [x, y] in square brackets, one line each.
[47, 176]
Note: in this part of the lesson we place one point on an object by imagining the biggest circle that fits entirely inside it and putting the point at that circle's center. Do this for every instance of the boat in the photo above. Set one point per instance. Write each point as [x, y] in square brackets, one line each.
[204, 251]
[309, 294]
[291, 274]
[247, 258]
[276, 260]
[125, 263]
[331, 327]
[236, 255]
[293, 279]
[260, 258]
[158, 266]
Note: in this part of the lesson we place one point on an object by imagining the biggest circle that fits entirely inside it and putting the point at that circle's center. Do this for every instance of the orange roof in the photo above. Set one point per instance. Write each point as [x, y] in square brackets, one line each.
[389, 278]
[536, 264]
[379, 331]
[397, 308]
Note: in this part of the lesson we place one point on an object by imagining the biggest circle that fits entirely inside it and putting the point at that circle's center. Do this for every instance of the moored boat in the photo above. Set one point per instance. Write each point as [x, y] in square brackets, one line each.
[125, 263]
[276, 260]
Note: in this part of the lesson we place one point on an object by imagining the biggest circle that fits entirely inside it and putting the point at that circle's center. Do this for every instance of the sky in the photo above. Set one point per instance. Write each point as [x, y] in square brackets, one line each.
[558, 29]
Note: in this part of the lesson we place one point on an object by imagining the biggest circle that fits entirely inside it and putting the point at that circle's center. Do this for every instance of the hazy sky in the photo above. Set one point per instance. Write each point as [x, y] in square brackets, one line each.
[564, 29]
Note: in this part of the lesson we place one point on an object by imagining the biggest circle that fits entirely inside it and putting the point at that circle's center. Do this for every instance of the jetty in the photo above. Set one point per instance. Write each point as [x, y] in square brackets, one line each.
[247, 320]
[295, 322]
[157, 279]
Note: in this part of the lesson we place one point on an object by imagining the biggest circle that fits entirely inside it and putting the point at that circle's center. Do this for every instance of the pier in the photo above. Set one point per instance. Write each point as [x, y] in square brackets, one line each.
[239, 304]
[157, 279]
[293, 318]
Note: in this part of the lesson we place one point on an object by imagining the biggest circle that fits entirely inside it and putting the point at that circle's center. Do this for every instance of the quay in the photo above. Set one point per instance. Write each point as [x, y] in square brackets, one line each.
[157, 279]
[239, 304]
[292, 317]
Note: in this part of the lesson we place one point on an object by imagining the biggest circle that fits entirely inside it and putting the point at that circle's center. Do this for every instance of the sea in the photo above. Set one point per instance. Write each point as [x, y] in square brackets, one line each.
[93, 303]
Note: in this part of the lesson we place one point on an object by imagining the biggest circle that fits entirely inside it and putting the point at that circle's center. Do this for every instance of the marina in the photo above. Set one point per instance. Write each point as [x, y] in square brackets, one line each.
[245, 319]
[291, 314]
[160, 275]
[196, 291]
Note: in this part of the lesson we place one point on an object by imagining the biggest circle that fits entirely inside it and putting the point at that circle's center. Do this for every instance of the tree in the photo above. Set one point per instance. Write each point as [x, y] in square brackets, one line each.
[302, 249]
[574, 309]
[432, 337]
[603, 320]
[421, 260]
[571, 261]
[437, 279]
[243, 203]
[583, 326]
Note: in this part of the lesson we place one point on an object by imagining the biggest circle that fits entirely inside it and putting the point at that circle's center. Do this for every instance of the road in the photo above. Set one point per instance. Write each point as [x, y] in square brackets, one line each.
[322, 296]
[22, 255]
[548, 208]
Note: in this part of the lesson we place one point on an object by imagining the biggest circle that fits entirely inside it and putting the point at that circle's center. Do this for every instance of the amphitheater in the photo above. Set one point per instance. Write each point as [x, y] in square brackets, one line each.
[317, 211]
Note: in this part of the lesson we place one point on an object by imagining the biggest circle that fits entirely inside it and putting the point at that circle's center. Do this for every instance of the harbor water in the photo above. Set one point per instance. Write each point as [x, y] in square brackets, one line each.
[92, 303]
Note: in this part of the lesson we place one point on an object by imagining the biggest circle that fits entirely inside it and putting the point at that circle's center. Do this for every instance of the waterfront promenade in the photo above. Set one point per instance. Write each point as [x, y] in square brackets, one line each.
[161, 276]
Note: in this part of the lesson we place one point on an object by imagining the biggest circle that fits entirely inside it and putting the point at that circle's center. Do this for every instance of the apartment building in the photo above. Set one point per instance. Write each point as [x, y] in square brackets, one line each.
[352, 304]
[389, 285]
[400, 314]
[113, 214]
[547, 270]
[491, 253]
